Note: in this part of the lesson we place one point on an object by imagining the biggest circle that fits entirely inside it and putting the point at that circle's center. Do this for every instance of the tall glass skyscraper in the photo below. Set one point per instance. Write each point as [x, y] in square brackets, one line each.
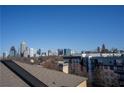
[67, 52]
[12, 51]
[23, 49]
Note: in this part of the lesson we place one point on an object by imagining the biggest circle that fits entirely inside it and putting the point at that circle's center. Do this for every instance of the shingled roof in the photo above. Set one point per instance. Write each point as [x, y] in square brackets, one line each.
[9, 78]
[52, 78]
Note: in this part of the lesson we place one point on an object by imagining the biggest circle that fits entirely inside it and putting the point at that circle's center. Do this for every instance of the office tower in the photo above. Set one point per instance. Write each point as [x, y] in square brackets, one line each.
[67, 52]
[60, 52]
[43, 53]
[23, 49]
[4, 55]
[50, 52]
[31, 52]
[12, 52]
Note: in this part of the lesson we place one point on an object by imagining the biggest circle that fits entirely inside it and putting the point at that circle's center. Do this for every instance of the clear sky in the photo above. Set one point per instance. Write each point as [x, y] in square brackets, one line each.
[53, 27]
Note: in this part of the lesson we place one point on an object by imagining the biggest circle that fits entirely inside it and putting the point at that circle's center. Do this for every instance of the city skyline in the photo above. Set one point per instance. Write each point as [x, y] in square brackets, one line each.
[53, 27]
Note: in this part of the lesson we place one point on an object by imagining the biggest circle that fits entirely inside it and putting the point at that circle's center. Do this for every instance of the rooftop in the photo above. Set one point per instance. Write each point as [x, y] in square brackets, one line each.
[52, 78]
[9, 78]
[49, 77]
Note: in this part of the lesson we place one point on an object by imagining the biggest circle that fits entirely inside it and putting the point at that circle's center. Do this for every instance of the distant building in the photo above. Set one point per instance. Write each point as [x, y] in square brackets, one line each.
[31, 52]
[50, 53]
[23, 49]
[76, 53]
[26, 53]
[104, 49]
[55, 53]
[60, 52]
[67, 52]
[39, 52]
[98, 49]
[4, 55]
[18, 52]
[43, 53]
[12, 52]
[35, 53]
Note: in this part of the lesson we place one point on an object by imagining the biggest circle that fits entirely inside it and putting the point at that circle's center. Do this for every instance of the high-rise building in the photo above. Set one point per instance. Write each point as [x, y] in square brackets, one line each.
[60, 52]
[55, 53]
[35, 53]
[43, 53]
[4, 55]
[12, 52]
[50, 53]
[18, 52]
[76, 53]
[67, 52]
[23, 49]
[39, 52]
[26, 53]
[31, 52]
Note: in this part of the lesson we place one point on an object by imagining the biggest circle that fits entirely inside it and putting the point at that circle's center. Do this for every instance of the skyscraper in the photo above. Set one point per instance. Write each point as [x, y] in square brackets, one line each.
[49, 52]
[60, 52]
[12, 52]
[67, 52]
[23, 49]
[31, 52]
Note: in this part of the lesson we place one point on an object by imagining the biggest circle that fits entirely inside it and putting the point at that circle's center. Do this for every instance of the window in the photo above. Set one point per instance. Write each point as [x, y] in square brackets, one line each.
[110, 61]
[105, 67]
[119, 68]
[122, 76]
[112, 67]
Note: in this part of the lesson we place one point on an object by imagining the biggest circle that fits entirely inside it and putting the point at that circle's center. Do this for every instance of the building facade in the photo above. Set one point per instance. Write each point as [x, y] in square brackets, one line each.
[75, 65]
[106, 71]
[60, 52]
[24, 49]
[12, 52]
[31, 52]
[101, 71]
[67, 52]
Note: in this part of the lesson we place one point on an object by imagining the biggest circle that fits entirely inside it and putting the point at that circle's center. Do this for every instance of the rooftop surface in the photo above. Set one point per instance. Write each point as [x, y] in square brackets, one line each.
[9, 78]
[52, 78]
[49, 77]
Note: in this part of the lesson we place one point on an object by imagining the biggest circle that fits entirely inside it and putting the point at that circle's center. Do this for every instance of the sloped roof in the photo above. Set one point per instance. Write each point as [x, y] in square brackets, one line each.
[52, 78]
[10, 79]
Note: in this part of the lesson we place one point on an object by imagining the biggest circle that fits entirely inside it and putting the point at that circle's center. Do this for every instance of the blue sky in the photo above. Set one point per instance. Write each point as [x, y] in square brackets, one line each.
[53, 27]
